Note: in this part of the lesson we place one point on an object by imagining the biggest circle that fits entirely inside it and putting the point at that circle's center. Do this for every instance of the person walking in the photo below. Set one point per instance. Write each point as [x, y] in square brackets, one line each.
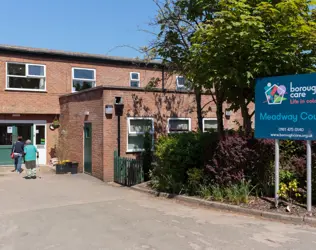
[18, 152]
[30, 155]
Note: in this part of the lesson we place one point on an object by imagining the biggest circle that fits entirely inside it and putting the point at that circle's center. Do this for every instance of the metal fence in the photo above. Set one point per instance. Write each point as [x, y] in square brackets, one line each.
[127, 171]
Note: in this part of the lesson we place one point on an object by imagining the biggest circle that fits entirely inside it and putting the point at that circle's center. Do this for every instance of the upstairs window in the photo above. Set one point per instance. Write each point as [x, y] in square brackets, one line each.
[179, 125]
[209, 124]
[82, 79]
[137, 127]
[182, 83]
[24, 76]
[134, 79]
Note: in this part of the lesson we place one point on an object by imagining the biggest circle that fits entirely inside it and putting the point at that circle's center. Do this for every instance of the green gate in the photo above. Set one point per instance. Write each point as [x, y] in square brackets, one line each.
[127, 171]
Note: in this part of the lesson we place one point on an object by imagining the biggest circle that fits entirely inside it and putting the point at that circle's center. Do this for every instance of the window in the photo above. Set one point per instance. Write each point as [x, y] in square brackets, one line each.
[137, 127]
[82, 79]
[24, 76]
[134, 79]
[179, 125]
[182, 83]
[209, 124]
[5, 134]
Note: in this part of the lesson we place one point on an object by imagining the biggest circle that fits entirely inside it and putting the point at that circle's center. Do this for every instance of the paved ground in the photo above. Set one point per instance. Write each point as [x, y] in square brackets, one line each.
[81, 212]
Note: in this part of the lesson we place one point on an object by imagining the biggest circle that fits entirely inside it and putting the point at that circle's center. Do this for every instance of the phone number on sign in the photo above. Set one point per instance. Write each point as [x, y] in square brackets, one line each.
[292, 129]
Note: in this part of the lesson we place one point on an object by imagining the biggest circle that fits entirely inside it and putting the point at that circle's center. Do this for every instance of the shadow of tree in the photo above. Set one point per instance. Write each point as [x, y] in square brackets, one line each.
[166, 105]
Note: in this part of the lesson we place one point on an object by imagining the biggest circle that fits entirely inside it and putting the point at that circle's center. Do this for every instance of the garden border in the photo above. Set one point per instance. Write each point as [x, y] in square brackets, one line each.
[305, 220]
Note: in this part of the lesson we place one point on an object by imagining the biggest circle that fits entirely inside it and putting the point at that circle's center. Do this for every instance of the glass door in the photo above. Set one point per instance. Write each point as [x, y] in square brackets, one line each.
[8, 135]
[40, 142]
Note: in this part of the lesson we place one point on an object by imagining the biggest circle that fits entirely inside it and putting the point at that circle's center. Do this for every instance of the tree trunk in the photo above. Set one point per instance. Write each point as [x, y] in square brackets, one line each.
[219, 115]
[246, 119]
[198, 99]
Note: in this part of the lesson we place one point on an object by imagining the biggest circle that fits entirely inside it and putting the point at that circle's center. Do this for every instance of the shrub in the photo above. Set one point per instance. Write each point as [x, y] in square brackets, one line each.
[260, 171]
[205, 192]
[195, 178]
[176, 154]
[230, 161]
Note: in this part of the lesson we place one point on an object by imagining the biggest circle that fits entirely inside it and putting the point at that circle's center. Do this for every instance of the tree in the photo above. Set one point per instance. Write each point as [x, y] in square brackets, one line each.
[247, 39]
[178, 21]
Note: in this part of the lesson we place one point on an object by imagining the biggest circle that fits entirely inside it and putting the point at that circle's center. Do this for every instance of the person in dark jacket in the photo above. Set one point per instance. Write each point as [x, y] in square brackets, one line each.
[18, 151]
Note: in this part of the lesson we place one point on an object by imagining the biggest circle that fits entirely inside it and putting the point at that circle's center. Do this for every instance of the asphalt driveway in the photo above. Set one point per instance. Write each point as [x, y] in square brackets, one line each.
[81, 212]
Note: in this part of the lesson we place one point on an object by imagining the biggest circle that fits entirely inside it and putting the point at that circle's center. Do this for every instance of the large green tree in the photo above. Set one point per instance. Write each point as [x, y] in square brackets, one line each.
[178, 21]
[247, 39]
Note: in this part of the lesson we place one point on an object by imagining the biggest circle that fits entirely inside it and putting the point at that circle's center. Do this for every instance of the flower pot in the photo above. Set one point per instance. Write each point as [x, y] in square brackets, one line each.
[68, 166]
[60, 168]
[74, 168]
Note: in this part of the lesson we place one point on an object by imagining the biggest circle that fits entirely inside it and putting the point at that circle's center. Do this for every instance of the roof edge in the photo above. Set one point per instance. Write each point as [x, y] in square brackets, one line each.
[79, 55]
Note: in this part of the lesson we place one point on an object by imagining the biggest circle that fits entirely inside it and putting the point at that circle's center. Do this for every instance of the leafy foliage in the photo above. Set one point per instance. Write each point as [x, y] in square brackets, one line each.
[249, 39]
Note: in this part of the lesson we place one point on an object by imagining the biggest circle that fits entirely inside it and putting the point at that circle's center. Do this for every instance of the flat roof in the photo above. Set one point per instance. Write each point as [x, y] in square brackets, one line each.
[49, 53]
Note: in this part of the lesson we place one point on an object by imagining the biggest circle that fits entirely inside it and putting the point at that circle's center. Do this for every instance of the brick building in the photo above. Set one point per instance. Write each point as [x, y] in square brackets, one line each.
[39, 86]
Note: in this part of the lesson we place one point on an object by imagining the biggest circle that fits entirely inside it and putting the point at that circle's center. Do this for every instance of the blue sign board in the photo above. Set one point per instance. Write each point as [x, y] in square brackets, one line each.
[285, 107]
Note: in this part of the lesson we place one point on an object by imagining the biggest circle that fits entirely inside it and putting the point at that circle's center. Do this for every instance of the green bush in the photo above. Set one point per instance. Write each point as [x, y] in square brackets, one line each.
[195, 178]
[178, 153]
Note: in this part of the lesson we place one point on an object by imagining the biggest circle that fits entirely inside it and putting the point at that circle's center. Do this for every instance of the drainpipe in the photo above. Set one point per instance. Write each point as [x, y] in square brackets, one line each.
[119, 106]
[118, 135]
[163, 78]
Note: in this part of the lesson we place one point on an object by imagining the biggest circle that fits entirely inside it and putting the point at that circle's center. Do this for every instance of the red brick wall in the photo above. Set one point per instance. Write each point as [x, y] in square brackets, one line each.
[59, 82]
[160, 106]
[72, 120]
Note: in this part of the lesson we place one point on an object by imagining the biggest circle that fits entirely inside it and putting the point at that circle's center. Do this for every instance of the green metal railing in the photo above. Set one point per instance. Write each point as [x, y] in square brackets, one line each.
[127, 171]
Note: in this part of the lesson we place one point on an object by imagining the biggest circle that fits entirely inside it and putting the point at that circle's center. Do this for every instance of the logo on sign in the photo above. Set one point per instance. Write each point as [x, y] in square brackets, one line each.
[275, 93]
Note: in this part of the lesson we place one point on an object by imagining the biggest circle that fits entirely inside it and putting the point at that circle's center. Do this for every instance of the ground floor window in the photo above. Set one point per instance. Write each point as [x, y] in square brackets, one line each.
[5, 135]
[137, 127]
[179, 125]
[209, 124]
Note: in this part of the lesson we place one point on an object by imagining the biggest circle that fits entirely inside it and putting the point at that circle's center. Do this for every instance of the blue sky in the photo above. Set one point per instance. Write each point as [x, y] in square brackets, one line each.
[92, 26]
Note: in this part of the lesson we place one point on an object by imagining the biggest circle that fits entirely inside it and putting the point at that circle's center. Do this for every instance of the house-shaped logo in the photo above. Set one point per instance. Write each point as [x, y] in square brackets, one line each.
[275, 93]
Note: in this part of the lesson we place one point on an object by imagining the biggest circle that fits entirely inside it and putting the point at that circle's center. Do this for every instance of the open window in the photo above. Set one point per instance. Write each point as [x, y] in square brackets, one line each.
[25, 76]
[134, 79]
[137, 127]
[209, 124]
[179, 125]
[83, 79]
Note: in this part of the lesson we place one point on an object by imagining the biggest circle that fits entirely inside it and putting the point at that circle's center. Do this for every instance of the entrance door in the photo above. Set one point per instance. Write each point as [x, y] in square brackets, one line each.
[87, 148]
[40, 142]
[8, 135]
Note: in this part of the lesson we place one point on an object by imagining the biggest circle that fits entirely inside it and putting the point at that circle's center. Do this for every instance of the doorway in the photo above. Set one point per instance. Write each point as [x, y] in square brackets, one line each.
[28, 129]
[87, 144]
[40, 142]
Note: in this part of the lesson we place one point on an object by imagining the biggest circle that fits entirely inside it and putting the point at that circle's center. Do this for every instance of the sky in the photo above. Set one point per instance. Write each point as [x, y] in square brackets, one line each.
[109, 27]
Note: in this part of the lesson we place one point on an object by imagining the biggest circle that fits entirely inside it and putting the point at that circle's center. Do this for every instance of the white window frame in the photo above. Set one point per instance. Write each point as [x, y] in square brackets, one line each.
[175, 132]
[131, 79]
[180, 87]
[26, 76]
[129, 132]
[82, 79]
[207, 119]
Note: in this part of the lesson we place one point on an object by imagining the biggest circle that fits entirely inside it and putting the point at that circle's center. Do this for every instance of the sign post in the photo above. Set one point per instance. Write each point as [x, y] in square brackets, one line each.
[286, 110]
[277, 167]
[309, 175]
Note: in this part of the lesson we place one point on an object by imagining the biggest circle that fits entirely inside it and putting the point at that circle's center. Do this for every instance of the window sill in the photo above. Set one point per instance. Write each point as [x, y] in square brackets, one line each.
[26, 90]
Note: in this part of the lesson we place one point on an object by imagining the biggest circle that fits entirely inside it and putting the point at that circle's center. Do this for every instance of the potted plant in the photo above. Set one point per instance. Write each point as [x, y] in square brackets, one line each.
[56, 123]
[63, 166]
[60, 168]
[74, 168]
